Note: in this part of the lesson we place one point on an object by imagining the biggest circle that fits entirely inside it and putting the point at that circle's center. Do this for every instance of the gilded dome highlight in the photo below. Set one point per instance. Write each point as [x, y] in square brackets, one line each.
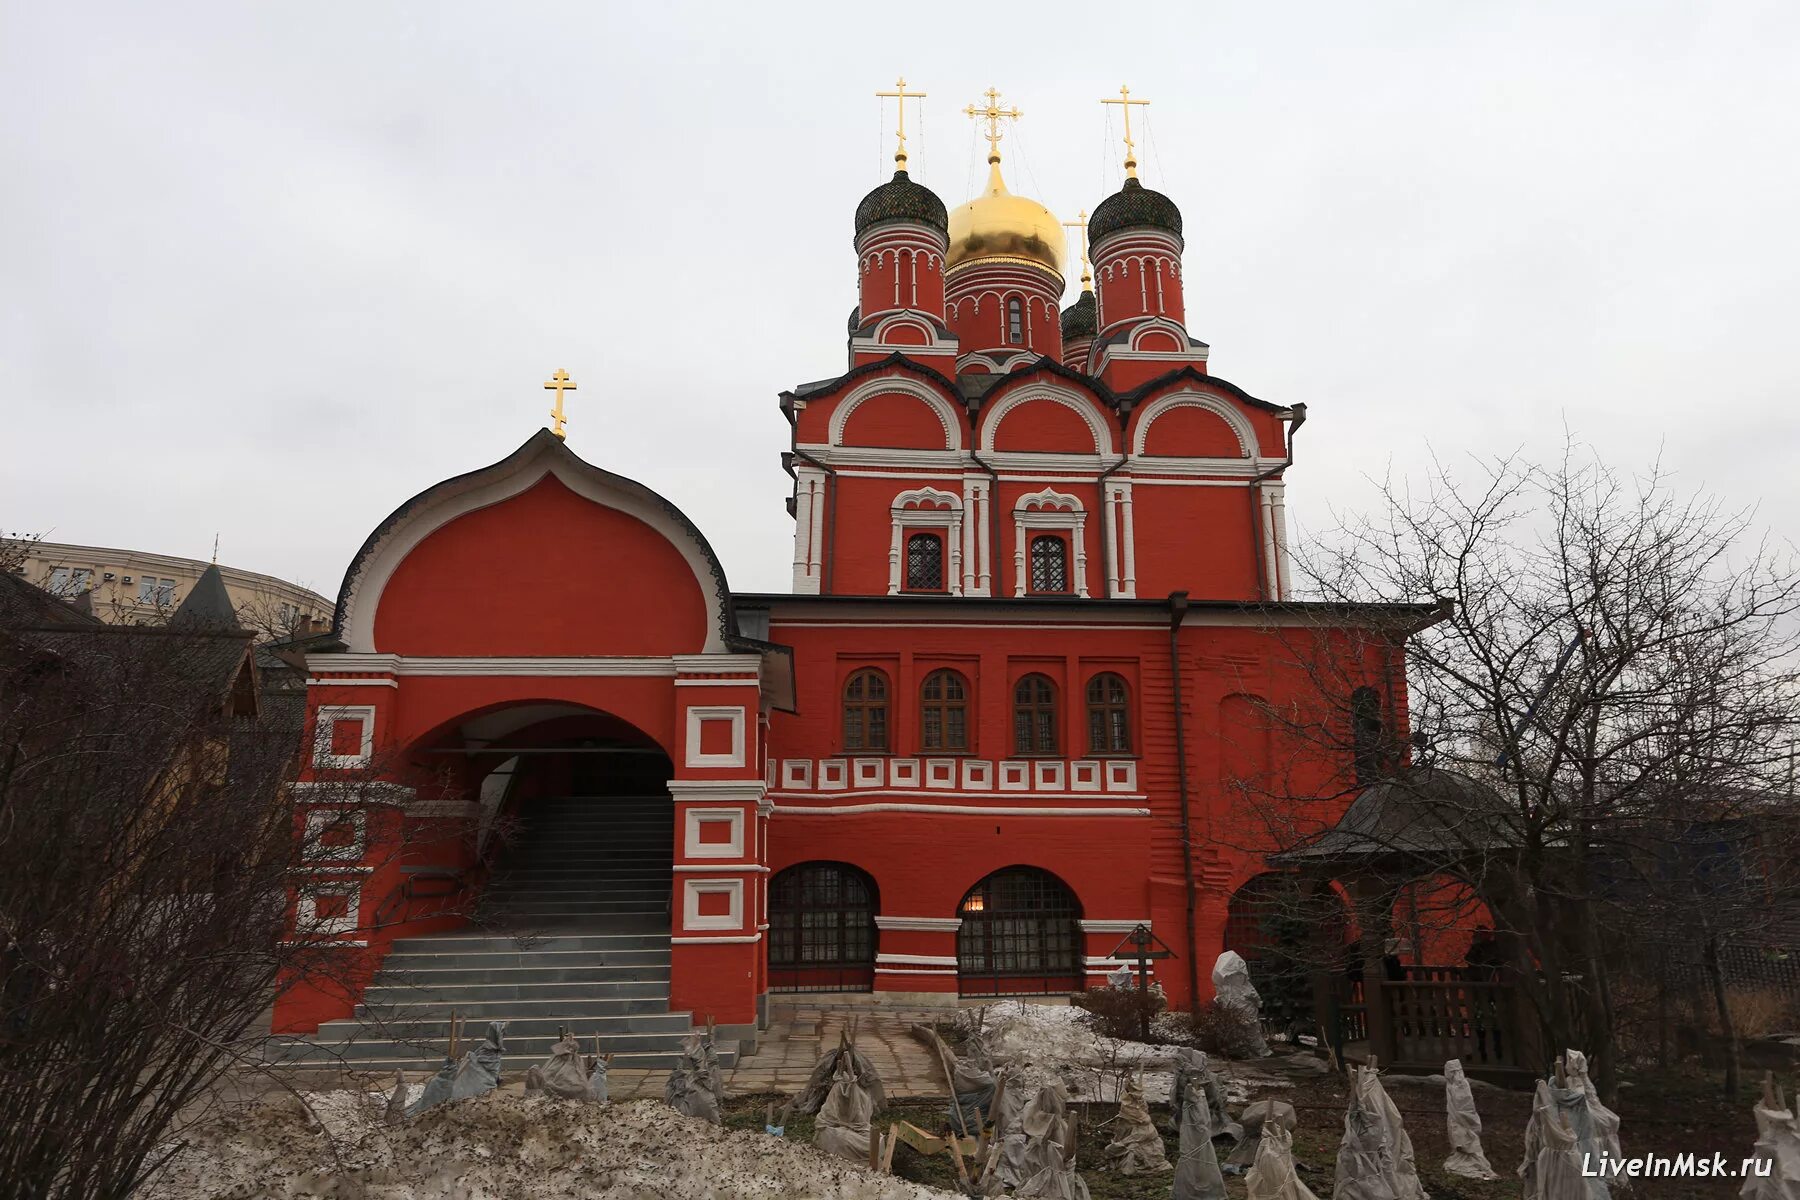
[998, 225]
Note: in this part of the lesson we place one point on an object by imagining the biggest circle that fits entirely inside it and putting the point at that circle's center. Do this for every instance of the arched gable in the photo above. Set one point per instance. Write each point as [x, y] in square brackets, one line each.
[890, 390]
[1190, 423]
[541, 553]
[1061, 420]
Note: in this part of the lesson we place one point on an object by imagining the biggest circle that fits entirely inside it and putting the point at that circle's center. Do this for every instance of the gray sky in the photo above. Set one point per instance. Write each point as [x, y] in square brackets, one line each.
[267, 270]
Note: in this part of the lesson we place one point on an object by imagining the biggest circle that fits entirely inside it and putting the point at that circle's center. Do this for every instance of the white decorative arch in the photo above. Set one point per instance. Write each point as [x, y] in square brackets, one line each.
[1069, 398]
[1223, 409]
[1048, 508]
[905, 318]
[885, 385]
[933, 508]
[543, 455]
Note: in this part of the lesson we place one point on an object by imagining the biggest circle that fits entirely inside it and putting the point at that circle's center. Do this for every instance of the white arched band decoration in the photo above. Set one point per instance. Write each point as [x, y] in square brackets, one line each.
[905, 319]
[544, 455]
[1226, 411]
[1067, 397]
[929, 508]
[1050, 509]
[888, 385]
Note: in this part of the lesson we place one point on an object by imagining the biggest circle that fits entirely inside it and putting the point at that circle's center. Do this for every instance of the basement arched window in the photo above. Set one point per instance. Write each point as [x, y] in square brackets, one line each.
[925, 562]
[1019, 933]
[821, 929]
[866, 711]
[944, 712]
[1034, 716]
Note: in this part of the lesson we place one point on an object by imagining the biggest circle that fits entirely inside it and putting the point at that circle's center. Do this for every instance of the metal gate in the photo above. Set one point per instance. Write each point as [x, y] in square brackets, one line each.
[821, 929]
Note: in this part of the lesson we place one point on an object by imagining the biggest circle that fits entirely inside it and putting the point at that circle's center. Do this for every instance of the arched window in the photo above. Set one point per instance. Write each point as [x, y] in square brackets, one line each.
[1286, 930]
[1109, 717]
[1049, 563]
[944, 711]
[1365, 734]
[866, 711]
[1015, 322]
[821, 929]
[925, 562]
[1019, 933]
[1034, 716]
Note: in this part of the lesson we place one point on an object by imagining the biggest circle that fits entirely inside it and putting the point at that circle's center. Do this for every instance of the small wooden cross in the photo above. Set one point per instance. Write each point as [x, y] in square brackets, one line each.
[559, 383]
[902, 95]
[1125, 102]
[993, 114]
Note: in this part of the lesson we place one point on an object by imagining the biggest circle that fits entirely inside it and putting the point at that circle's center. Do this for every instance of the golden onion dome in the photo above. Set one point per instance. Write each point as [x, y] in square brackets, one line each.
[998, 225]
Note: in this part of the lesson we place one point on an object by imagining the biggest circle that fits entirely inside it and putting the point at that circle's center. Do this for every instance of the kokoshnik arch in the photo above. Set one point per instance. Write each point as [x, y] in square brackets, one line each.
[1040, 614]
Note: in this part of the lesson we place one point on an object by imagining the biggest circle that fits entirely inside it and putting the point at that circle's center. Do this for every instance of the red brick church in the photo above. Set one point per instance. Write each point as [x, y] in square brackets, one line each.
[1040, 616]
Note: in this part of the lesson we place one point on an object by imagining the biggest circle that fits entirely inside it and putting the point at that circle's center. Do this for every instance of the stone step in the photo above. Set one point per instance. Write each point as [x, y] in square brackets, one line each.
[521, 1051]
[513, 910]
[407, 1005]
[413, 991]
[514, 1064]
[480, 942]
[436, 1032]
[478, 971]
[627, 964]
[652, 897]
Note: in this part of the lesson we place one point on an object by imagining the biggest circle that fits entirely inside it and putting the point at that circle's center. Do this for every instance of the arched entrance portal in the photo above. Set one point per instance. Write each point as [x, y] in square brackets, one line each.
[1020, 933]
[822, 929]
[576, 825]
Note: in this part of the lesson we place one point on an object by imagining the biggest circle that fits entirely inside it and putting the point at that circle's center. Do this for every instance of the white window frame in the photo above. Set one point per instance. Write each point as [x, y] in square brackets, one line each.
[325, 719]
[1056, 511]
[945, 512]
[320, 819]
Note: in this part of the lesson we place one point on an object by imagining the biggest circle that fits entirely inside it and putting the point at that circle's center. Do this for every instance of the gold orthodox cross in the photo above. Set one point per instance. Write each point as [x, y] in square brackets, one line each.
[1087, 273]
[1125, 102]
[993, 114]
[902, 95]
[559, 383]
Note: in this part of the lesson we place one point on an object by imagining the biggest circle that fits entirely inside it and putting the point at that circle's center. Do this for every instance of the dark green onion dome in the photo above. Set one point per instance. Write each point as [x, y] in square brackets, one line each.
[1080, 319]
[855, 320]
[900, 199]
[1134, 206]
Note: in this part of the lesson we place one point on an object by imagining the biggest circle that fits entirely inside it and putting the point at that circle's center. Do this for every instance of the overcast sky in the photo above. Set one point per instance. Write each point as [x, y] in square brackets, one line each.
[267, 270]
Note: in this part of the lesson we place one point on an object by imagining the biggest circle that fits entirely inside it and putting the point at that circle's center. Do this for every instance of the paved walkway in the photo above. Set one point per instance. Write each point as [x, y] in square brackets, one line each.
[799, 1033]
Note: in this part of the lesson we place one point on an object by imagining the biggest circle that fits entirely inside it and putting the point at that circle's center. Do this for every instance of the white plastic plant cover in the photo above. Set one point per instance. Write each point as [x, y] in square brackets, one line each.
[1137, 1147]
[1058, 1180]
[1606, 1121]
[1365, 1163]
[561, 1074]
[1232, 989]
[1379, 1105]
[395, 1114]
[1120, 979]
[479, 1071]
[692, 1089]
[596, 1081]
[1197, 1175]
[1256, 1118]
[1777, 1152]
[972, 1083]
[1466, 1155]
[1192, 1070]
[1551, 1169]
[1272, 1175]
[843, 1124]
[1008, 1167]
[824, 1073]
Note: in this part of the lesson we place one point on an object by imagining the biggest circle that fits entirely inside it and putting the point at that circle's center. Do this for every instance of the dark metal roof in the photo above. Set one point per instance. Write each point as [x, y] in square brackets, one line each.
[1082, 318]
[208, 606]
[900, 199]
[1422, 812]
[1134, 206]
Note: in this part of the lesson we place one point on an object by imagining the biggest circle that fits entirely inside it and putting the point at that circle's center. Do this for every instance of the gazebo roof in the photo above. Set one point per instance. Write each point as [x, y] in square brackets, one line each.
[1422, 812]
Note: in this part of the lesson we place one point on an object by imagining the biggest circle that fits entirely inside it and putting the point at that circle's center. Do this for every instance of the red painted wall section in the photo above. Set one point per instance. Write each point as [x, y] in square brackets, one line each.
[1197, 539]
[546, 572]
[895, 420]
[1045, 425]
[1192, 433]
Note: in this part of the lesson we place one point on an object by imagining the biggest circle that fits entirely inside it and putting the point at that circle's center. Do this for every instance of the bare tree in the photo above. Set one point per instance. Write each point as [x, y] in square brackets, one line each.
[148, 887]
[1614, 668]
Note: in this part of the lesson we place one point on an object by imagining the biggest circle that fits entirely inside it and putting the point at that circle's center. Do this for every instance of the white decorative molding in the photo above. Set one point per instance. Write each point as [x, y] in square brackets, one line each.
[919, 924]
[717, 941]
[325, 722]
[797, 773]
[1048, 775]
[868, 772]
[747, 791]
[1217, 405]
[930, 509]
[978, 774]
[354, 791]
[1050, 509]
[1083, 405]
[695, 846]
[954, 810]
[940, 773]
[309, 923]
[903, 772]
[916, 960]
[1121, 775]
[1015, 776]
[329, 682]
[1110, 925]
[319, 820]
[834, 774]
[697, 716]
[1084, 775]
[894, 384]
[693, 889]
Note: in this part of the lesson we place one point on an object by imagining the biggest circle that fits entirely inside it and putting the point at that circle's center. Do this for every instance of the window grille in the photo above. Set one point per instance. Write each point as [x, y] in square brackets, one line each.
[1015, 322]
[925, 562]
[1049, 564]
[1019, 933]
[821, 929]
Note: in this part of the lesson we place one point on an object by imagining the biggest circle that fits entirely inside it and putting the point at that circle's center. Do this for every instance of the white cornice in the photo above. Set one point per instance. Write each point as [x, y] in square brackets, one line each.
[919, 924]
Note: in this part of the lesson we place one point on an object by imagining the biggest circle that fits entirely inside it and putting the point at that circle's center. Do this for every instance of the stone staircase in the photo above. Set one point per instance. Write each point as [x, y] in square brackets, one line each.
[572, 932]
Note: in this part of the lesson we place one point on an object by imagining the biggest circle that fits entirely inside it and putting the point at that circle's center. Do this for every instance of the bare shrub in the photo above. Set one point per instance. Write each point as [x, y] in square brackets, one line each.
[1216, 1029]
[1123, 1013]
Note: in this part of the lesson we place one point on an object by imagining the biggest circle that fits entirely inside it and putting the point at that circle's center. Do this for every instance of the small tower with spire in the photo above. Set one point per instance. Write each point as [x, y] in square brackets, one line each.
[1079, 320]
[901, 240]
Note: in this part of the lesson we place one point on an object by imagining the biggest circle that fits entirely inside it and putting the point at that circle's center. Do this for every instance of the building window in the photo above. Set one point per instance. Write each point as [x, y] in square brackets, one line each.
[1020, 932]
[1365, 734]
[152, 590]
[944, 715]
[866, 711]
[1034, 716]
[925, 562]
[1109, 718]
[1049, 563]
[1015, 322]
[821, 929]
[70, 581]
